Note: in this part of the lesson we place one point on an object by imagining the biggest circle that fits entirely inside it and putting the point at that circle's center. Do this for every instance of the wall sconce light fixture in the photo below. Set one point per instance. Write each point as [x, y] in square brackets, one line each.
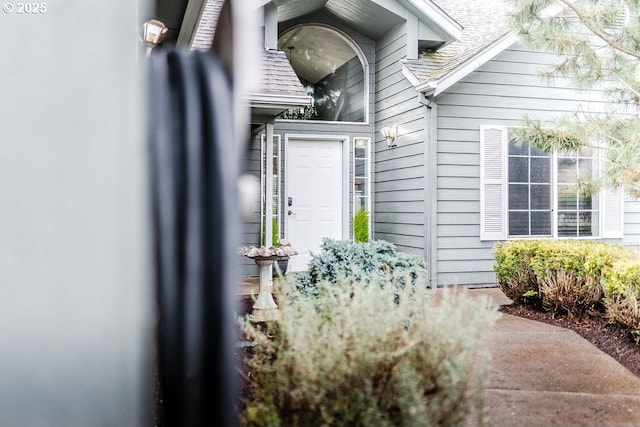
[153, 32]
[389, 133]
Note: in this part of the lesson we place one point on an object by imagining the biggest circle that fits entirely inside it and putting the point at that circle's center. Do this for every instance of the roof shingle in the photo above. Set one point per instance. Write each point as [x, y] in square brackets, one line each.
[276, 77]
[484, 22]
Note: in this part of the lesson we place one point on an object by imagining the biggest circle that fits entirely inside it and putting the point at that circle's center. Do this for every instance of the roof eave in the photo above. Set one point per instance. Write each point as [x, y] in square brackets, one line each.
[473, 63]
[268, 101]
[428, 88]
[415, 81]
[432, 12]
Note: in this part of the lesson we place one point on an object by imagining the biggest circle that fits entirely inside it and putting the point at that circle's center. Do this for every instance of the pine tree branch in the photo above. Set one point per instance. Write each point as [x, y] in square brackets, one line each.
[598, 32]
[629, 87]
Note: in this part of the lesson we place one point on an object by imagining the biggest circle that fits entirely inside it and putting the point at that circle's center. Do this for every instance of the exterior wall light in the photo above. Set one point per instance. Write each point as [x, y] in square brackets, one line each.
[153, 32]
[389, 133]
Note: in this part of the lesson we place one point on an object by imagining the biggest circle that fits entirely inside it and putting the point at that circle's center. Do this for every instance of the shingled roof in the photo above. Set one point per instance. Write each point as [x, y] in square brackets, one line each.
[277, 82]
[485, 26]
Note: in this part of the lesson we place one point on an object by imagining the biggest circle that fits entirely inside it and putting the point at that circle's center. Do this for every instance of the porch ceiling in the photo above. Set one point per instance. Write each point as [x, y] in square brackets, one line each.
[366, 16]
[180, 16]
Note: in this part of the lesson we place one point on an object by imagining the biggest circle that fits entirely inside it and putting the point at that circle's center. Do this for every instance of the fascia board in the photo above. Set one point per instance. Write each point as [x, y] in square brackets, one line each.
[428, 88]
[409, 75]
[439, 17]
[287, 101]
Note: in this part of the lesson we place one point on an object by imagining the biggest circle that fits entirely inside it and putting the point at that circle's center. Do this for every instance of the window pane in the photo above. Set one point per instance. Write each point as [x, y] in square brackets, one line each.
[541, 223]
[360, 186]
[567, 197]
[566, 170]
[567, 224]
[540, 169]
[588, 152]
[361, 202]
[518, 149]
[585, 224]
[584, 202]
[518, 169]
[536, 152]
[359, 151]
[518, 223]
[585, 168]
[518, 196]
[360, 167]
[334, 77]
[540, 197]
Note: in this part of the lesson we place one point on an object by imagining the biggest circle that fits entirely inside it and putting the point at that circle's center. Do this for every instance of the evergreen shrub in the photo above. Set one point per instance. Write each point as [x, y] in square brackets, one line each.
[377, 261]
[372, 355]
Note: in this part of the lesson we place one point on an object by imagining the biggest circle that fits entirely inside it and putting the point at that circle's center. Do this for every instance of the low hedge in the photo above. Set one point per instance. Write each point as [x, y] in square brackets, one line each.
[579, 277]
[622, 294]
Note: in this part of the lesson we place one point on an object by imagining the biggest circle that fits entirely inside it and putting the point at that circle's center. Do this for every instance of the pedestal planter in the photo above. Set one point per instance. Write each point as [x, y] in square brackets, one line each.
[265, 308]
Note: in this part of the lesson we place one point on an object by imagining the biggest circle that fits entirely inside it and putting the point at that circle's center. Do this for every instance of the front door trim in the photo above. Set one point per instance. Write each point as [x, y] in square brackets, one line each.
[344, 139]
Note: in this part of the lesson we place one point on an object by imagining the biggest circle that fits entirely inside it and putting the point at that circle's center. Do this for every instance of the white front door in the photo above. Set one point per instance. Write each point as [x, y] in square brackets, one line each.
[313, 198]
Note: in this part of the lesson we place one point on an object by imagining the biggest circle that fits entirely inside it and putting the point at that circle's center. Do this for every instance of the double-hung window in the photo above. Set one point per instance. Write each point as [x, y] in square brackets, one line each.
[527, 193]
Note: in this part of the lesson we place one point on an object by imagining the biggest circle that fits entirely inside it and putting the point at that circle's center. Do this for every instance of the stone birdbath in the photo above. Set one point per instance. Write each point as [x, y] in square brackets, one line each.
[265, 308]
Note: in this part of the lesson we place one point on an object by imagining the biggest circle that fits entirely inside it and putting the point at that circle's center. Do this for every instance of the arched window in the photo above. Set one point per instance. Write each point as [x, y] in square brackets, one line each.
[331, 69]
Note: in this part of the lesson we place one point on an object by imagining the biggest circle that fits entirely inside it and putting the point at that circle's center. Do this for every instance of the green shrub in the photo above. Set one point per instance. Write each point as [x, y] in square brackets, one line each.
[579, 277]
[566, 275]
[369, 355]
[361, 226]
[570, 274]
[622, 294]
[377, 260]
[513, 269]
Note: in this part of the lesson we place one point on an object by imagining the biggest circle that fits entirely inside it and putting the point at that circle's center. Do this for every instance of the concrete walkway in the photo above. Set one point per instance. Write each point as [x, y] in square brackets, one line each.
[544, 375]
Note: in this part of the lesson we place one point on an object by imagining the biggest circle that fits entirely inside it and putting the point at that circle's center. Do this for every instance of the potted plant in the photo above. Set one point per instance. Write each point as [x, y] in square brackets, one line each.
[284, 251]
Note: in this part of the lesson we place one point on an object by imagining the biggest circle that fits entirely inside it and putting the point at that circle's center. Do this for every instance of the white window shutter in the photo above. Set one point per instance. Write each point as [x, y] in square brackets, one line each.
[612, 213]
[493, 167]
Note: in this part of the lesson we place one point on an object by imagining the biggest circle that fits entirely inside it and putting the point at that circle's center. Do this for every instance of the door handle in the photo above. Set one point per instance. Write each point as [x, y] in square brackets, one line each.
[290, 212]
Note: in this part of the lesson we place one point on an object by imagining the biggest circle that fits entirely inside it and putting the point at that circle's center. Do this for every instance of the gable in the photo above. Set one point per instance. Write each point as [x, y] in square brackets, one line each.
[486, 33]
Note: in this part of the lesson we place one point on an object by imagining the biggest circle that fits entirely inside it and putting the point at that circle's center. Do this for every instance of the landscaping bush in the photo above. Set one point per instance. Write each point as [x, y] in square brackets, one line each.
[377, 261]
[566, 275]
[570, 274]
[369, 355]
[513, 269]
[622, 294]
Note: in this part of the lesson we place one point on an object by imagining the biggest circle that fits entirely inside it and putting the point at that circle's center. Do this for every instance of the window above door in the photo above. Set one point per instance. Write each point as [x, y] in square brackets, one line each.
[332, 69]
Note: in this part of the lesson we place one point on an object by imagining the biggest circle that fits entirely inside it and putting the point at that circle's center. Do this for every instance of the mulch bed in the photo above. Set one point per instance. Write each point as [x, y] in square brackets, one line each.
[610, 338]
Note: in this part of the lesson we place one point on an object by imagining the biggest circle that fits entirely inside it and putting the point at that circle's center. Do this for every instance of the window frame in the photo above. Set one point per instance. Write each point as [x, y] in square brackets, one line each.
[278, 187]
[494, 192]
[365, 69]
[368, 177]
